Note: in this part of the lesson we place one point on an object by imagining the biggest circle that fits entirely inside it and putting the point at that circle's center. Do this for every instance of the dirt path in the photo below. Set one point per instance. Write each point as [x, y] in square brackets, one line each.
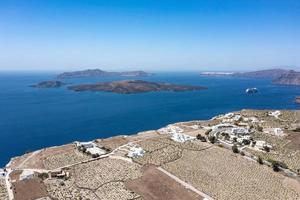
[24, 161]
[186, 185]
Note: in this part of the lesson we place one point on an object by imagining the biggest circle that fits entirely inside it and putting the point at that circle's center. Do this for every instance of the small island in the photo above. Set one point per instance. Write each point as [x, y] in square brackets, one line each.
[132, 87]
[48, 84]
[100, 73]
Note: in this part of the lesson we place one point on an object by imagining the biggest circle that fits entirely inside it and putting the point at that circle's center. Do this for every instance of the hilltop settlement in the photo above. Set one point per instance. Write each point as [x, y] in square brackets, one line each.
[249, 154]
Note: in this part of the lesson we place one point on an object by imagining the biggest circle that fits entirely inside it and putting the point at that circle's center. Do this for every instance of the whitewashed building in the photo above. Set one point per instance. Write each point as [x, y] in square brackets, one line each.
[26, 174]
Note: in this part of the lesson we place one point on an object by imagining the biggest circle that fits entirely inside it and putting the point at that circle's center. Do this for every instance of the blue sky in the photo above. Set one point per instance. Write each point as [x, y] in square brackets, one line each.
[149, 34]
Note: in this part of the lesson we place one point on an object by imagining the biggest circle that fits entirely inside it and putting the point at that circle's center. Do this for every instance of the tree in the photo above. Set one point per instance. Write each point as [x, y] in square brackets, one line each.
[212, 139]
[235, 149]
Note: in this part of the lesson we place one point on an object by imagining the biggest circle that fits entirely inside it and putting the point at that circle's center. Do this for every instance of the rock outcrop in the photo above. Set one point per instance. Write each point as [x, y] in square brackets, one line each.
[290, 78]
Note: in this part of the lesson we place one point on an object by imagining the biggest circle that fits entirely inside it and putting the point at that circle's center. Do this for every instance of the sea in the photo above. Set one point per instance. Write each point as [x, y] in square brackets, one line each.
[32, 118]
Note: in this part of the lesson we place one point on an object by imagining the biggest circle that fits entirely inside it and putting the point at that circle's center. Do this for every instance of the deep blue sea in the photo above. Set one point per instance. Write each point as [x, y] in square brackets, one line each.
[32, 118]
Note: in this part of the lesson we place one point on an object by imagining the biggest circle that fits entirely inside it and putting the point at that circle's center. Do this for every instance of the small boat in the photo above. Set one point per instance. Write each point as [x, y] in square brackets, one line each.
[251, 90]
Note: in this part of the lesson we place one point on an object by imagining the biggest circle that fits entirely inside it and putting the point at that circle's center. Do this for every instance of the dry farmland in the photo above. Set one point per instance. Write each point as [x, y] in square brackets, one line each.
[224, 175]
[94, 174]
[3, 192]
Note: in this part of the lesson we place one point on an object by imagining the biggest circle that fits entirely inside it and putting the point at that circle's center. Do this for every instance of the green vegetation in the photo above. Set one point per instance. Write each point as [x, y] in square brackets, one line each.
[260, 160]
[235, 149]
[212, 139]
[276, 164]
[201, 138]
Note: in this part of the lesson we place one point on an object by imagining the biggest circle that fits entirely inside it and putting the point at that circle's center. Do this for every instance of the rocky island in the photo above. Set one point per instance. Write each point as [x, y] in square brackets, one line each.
[248, 154]
[48, 84]
[290, 78]
[133, 86]
[269, 73]
[100, 73]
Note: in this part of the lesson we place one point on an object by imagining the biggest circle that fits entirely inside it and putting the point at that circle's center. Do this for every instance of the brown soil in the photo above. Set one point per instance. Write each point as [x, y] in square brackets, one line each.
[29, 189]
[15, 175]
[155, 185]
[112, 142]
[294, 138]
[36, 161]
[292, 183]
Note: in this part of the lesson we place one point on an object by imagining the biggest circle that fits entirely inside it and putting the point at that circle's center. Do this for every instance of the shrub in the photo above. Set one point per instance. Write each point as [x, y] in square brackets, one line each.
[259, 128]
[227, 137]
[201, 138]
[246, 142]
[266, 148]
[95, 155]
[277, 163]
[43, 175]
[260, 161]
[235, 149]
[242, 153]
[275, 167]
[208, 131]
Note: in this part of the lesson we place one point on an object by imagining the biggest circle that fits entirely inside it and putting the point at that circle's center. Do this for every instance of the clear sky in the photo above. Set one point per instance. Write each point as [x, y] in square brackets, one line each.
[149, 34]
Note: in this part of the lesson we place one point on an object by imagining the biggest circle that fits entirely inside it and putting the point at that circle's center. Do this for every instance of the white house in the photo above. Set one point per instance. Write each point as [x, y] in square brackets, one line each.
[91, 148]
[26, 174]
[179, 137]
[261, 144]
[136, 152]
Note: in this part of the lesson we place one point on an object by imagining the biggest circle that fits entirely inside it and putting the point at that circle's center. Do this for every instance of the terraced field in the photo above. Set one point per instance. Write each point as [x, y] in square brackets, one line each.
[224, 175]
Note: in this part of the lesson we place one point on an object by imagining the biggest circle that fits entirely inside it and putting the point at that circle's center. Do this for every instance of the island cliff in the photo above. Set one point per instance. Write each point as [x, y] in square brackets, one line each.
[290, 78]
[132, 86]
[99, 73]
[269, 73]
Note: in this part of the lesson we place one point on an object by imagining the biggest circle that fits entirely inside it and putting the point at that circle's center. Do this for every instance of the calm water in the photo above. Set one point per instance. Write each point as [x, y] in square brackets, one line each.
[33, 118]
